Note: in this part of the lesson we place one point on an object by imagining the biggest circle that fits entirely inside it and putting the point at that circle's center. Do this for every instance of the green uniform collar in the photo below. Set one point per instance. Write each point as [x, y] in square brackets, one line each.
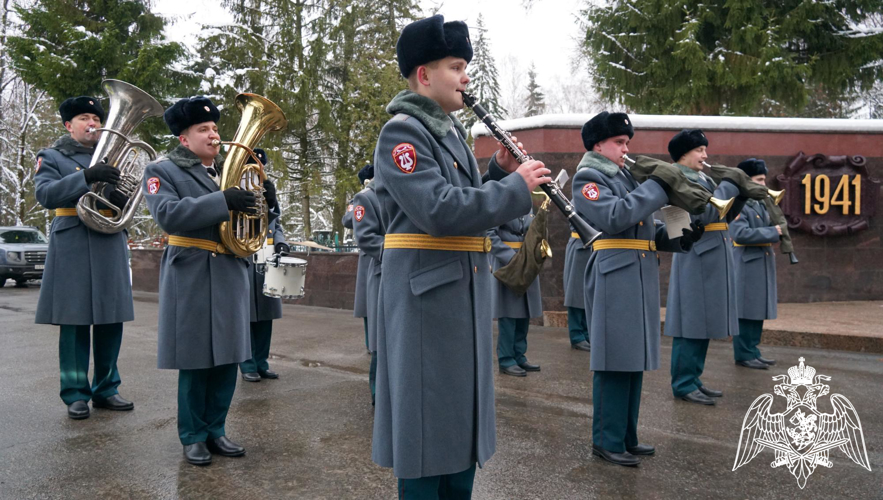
[427, 111]
[689, 172]
[185, 158]
[67, 146]
[599, 162]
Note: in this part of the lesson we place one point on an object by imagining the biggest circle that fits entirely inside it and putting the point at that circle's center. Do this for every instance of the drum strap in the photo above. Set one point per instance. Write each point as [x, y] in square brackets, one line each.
[209, 245]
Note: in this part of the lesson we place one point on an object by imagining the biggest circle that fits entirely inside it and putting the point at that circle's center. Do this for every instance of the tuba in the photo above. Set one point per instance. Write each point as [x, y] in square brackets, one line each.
[245, 233]
[129, 106]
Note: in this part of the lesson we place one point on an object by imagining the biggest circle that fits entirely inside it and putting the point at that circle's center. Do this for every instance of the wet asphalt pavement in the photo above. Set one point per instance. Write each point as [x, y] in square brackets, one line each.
[308, 434]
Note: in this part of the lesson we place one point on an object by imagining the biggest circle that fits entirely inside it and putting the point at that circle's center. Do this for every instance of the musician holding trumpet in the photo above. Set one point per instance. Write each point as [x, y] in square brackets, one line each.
[701, 301]
[86, 280]
[621, 282]
[204, 288]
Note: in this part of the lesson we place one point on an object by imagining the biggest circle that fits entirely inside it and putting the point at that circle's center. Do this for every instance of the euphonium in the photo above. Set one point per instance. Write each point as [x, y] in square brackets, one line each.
[129, 106]
[245, 233]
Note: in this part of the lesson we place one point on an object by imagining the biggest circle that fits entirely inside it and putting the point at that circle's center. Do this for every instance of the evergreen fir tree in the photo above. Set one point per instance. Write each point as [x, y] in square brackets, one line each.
[67, 48]
[733, 56]
[484, 84]
[534, 104]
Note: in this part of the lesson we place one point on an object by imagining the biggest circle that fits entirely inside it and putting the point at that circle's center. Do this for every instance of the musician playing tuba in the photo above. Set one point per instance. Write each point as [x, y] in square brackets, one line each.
[203, 292]
[701, 301]
[86, 280]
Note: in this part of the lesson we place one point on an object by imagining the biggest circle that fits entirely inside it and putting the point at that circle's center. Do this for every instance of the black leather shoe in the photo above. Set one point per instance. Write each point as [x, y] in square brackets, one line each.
[625, 458]
[224, 447]
[251, 377]
[710, 392]
[582, 345]
[698, 398]
[514, 370]
[78, 410]
[769, 362]
[641, 449]
[115, 403]
[526, 366]
[197, 454]
[753, 363]
[268, 374]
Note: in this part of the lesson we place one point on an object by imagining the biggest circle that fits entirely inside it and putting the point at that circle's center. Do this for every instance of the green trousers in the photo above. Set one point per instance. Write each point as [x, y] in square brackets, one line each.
[687, 364]
[576, 325]
[261, 333]
[73, 358]
[204, 398]
[616, 399]
[512, 341]
[745, 344]
[445, 487]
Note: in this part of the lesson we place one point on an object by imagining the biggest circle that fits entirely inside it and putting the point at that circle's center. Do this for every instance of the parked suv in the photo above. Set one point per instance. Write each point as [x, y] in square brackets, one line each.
[22, 254]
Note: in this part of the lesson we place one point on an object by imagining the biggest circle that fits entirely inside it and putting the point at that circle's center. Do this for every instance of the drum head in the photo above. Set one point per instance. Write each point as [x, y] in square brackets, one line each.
[291, 261]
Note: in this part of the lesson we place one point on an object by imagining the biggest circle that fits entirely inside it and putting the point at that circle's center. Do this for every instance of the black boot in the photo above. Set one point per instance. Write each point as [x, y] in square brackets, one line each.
[78, 410]
[197, 454]
[625, 458]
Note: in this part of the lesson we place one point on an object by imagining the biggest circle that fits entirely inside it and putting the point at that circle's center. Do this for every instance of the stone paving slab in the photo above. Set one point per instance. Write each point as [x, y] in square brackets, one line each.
[308, 434]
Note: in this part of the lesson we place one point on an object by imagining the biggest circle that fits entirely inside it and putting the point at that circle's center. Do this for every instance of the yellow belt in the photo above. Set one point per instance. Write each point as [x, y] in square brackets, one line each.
[211, 246]
[574, 235]
[427, 242]
[717, 226]
[752, 245]
[624, 245]
[514, 244]
[72, 212]
[269, 241]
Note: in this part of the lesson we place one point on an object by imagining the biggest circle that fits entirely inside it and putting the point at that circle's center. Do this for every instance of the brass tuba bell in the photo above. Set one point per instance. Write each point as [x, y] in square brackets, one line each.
[129, 106]
[245, 233]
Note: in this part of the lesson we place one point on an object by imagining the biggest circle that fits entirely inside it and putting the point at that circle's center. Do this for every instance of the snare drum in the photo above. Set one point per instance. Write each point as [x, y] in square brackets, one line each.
[285, 279]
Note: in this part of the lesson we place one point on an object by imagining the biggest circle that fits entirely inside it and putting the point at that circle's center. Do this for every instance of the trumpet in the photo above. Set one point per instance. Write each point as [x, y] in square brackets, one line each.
[746, 185]
[692, 200]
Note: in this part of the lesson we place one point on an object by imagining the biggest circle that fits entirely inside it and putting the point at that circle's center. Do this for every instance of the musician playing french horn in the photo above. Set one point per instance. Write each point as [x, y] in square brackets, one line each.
[701, 301]
[86, 280]
[621, 282]
[204, 288]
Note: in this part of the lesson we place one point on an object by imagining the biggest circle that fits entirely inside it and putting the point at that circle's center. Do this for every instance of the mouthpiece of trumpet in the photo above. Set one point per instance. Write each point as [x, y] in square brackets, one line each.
[722, 206]
[216, 142]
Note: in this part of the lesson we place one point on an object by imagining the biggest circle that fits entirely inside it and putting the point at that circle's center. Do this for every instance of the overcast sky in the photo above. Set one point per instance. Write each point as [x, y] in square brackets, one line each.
[546, 35]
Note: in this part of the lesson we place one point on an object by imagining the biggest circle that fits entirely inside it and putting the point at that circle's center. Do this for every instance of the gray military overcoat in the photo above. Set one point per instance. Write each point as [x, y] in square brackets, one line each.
[368, 230]
[576, 258]
[622, 285]
[203, 296]
[86, 280]
[360, 301]
[702, 289]
[265, 308]
[435, 353]
[755, 266]
[507, 304]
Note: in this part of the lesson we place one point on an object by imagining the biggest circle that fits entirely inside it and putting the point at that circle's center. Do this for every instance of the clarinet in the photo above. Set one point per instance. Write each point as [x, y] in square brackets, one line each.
[587, 234]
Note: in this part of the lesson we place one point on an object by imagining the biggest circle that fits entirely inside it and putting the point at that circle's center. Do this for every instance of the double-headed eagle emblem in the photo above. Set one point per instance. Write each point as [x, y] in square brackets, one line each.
[801, 436]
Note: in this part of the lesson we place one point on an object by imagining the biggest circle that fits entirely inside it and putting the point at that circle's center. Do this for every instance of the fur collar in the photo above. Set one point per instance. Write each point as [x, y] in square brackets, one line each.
[185, 158]
[689, 172]
[67, 146]
[427, 111]
[599, 162]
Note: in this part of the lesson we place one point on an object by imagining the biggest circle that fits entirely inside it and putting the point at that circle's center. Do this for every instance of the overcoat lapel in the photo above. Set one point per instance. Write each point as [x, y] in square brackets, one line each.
[451, 142]
[198, 172]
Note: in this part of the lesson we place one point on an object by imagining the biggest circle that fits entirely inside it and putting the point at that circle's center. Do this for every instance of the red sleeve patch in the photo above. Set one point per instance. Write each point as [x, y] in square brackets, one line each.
[405, 157]
[591, 192]
[39, 163]
[359, 212]
[153, 185]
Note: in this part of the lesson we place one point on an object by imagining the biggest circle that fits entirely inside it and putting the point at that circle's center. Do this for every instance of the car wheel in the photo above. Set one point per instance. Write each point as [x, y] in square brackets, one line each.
[21, 283]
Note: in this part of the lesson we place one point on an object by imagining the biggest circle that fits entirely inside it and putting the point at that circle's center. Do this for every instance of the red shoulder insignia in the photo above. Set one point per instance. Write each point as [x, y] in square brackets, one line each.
[153, 185]
[591, 192]
[359, 212]
[405, 157]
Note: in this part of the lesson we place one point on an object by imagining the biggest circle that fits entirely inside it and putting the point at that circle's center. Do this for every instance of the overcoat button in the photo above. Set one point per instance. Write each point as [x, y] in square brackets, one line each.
[476, 270]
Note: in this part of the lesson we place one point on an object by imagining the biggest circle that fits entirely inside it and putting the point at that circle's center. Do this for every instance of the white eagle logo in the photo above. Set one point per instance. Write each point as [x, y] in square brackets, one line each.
[801, 436]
